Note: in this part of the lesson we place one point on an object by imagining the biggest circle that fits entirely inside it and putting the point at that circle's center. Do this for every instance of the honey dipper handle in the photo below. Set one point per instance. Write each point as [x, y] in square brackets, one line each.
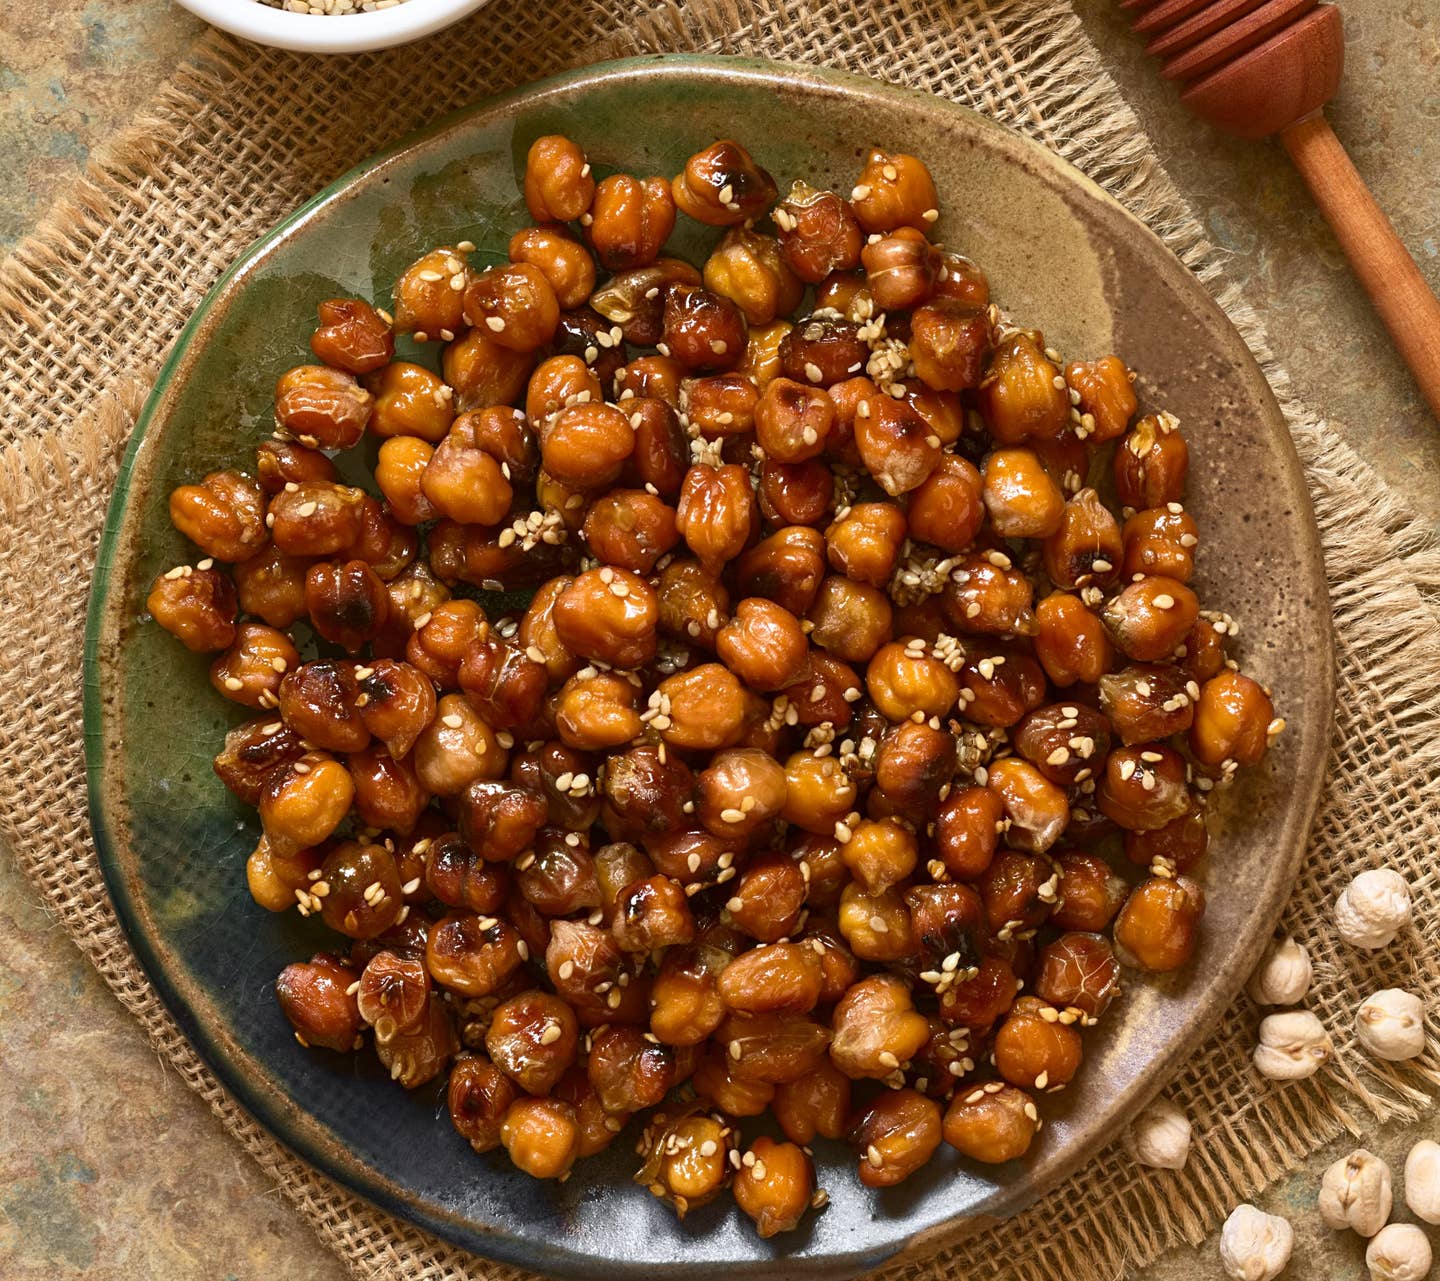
[1405, 302]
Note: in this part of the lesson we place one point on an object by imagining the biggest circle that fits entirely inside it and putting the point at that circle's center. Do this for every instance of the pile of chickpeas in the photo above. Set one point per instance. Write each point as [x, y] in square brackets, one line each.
[848, 747]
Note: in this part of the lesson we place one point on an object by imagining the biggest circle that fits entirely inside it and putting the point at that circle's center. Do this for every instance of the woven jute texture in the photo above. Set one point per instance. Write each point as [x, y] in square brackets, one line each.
[91, 303]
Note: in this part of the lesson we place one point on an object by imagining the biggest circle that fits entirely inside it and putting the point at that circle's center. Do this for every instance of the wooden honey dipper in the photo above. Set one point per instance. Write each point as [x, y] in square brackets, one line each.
[1254, 68]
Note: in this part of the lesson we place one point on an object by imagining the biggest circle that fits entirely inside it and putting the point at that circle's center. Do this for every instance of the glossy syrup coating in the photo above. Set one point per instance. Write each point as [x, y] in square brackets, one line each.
[712, 711]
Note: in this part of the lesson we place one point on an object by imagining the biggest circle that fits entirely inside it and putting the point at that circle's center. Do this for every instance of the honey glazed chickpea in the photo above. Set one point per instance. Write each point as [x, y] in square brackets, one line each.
[818, 687]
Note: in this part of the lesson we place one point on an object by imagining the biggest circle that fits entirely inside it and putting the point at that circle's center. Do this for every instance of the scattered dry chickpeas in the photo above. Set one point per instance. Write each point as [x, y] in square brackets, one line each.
[849, 743]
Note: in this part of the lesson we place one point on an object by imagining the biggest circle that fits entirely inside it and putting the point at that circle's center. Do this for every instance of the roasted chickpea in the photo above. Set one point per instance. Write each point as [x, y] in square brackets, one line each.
[896, 1135]
[993, 1123]
[774, 1185]
[1091, 893]
[687, 1159]
[500, 820]
[905, 677]
[1234, 721]
[473, 954]
[949, 344]
[315, 996]
[742, 790]
[352, 336]
[967, 830]
[1143, 788]
[702, 329]
[586, 445]
[630, 221]
[851, 620]
[281, 462]
[596, 713]
[394, 994]
[716, 513]
[459, 876]
[767, 899]
[515, 303]
[1070, 641]
[456, 748]
[1022, 394]
[793, 421]
[224, 515]
[478, 1097]
[894, 190]
[818, 233]
[322, 407]
[1036, 808]
[1204, 649]
[864, 541]
[1151, 463]
[428, 297]
[763, 644]
[722, 186]
[1158, 926]
[562, 259]
[1066, 742]
[1148, 619]
[946, 508]
[796, 493]
[542, 1137]
[316, 518]
[558, 183]
[895, 443]
[773, 1048]
[482, 372]
[348, 604]
[1031, 1050]
[609, 615]
[900, 269]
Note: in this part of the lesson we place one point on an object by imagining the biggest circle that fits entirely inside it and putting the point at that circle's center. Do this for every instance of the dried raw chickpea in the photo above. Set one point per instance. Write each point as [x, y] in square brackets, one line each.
[1022, 394]
[630, 221]
[224, 515]
[722, 186]
[316, 996]
[896, 1135]
[428, 297]
[562, 259]
[716, 513]
[818, 233]
[196, 605]
[409, 401]
[250, 670]
[894, 190]
[1234, 720]
[322, 407]
[993, 1123]
[851, 620]
[752, 271]
[900, 269]
[775, 1185]
[793, 421]
[1157, 927]
[558, 183]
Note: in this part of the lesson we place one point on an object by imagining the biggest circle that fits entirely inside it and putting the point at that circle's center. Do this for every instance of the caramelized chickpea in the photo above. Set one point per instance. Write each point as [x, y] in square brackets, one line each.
[1091, 892]
[482, 372]
[557, 382]
[945, 508]
[502, 683]
[634, 301]
[735, 1095]
[722, 186]
[319, 702]
[400, 472]
[962, 280]
[949, 344]
[880, 854]
[352, 336]
[249, 671]
[896, 1135]
[1234, 720]
[542, 1137]
[774, 1048]
[459, 877]
[686, 1006]
[818, 793]
[609, 615]
[1031, 1050]
[196, 606]
[781, 978]
[877, 927]
[796, 493]
[348, 604]
[987, 596]
[1204, 650]
[473, 954]
[687, 1159]
[821, 351]
[363, 895]
[894, 190]
[768, 898]
[1151, 463]
[993, 1123]
[751, 271]
[1146, 702]
[410, 401]
[252, 752]
[500, 820]
[877, 1028]
[1158, 926]
[387, 793]
[741, 791]
[515, 303]
[1019, 397]
[1182, 842]
[774, 1185]
[716, 513]
[815, 1104]
[271, 585]
[967, 830]
[394, 994]
[456, 748]
[629, 1071]
[586, 445]
[280, 462]
[818, 233]
[478, 1096]
[414, 1058]
[428, 297]
[661, 455]
[900, 269]
[224, 515]
[439, 644]
[1036, 808]
[851, 620]
[558, 183]
[1106, 396]
[912, 766]
[1019, 891]
[1070, 641]
[322, 407]
[785, 568]
[702, 329]
[826, 693]
[315, 997]
[565, 263]
[707, 708]
[1160, 541]
[1064, 741]
[653, 912]
[693, 603]
[763, 644]
[630, 529]
[793, 421]
[630, 221]
[533, 1040]
[1143, 787]
[904, 678]
[595, 713]
[1148, 619]
[998, 689]
[1086, 547]
[1079, 972]
[978, 1001]
[895, 443]
[316, 518]
[864, 541]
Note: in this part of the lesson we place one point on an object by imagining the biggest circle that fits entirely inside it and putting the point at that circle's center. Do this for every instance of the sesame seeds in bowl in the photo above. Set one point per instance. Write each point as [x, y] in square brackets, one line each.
[358, 25]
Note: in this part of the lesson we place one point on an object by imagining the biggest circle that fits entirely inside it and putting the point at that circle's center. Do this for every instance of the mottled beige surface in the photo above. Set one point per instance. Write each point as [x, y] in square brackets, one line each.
[109, 1169]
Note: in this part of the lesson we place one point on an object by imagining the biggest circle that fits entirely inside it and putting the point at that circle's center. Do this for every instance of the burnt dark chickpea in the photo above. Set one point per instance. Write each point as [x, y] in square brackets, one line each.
[630, 529]
[322, 407]
[998, 689]
[482, 372]
[694, 603]
[741, 791]
[428, 297]
[1234, 720]
[707, 708]
[993, 1123]
[821, 351]
[816, 1104]
[702, 329]
[584, 332]
[598, 712]
[767, 899]
[1033, 1050]
[1107, 396]
[515, 303]
[195, 605]
[1158, 927]
[818, 792]
[565, 263]
[542, 1137]
[1146, 702]
[348, 604]
[1022, 394]
[786, 568]
[763, 644]
[252, 751]
[250, 670]
[459, 876]
[1078, 973]
[946, 507]
[864, 541]
[1086, 547]
[388, 795]
[716, 513]
[316, 997]
[722, 186]
[774, 1185]
[1066, 742]
[224, 515]
[900, 269]
[558, 184]
[968, 827]
[1091, 892]
[533, 1040]
[363, 895]
[896, 1135]
[1070, 641]
[478, 1097]
[894, 190]
[1148, 619]
[1151, 463]
[1143, 787]
[796, 493]
[609, 615]
[1160, 541]
[851, 620]
[987, 596]
[316, 518]
[949, 925]
[410, 401]
[818, 233]
[352, 336]
[1037, 809]
[456, 748]
[630, 221]
[895, 443]
[282, 462]
[752, 272]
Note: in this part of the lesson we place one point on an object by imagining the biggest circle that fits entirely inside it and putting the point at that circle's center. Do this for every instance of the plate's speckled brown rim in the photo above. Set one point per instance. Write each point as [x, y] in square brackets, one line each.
[1302, 666]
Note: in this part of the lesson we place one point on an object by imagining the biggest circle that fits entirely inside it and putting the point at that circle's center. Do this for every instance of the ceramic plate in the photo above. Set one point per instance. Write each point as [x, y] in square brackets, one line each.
[1062, 256]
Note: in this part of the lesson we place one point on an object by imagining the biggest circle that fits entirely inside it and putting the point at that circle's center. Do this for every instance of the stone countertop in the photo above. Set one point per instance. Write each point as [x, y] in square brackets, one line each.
[110, 1168]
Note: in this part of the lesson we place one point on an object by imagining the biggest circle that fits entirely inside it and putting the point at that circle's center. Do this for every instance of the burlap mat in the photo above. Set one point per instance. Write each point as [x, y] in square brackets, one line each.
[243, 135]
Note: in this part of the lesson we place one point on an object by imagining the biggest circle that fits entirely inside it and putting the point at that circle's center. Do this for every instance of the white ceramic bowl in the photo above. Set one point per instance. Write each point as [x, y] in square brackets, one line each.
[331, 33]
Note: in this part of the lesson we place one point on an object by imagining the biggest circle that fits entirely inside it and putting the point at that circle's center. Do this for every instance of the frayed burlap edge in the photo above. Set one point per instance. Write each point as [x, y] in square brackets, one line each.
[1380, 565]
